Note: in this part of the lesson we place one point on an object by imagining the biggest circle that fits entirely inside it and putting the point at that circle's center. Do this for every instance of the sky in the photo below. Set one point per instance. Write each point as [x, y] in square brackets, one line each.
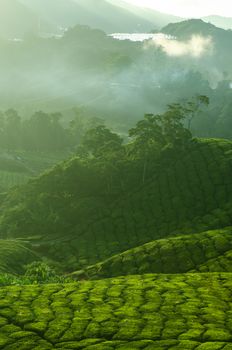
[188, 8]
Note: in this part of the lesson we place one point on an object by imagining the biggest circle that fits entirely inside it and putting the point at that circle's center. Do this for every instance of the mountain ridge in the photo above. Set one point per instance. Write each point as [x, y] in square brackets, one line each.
[219, 21]
[105, 16]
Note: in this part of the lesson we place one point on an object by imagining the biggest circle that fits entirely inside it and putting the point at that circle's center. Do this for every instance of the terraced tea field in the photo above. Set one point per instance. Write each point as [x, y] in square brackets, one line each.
[204, 252]
[161, 312]
[11, 179]
[23, 166]
[14, 255]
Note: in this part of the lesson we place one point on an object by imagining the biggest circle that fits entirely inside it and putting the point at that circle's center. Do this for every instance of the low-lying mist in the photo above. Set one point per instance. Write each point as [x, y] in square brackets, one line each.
[197, 46]
[117, 81]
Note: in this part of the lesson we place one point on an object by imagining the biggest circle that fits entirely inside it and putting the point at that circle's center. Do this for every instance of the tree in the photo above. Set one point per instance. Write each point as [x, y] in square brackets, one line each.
[193, 107]
[155, 132]
[99, 141]
[12, 129]
[44, 132]
[105, 150]
[81, 123]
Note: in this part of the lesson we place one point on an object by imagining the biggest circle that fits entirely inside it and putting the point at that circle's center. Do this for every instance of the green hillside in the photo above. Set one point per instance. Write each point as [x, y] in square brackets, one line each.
[17, 168]
[14, 255]
[143, 226]
[138, 312]
[204, 252]
[187, 191]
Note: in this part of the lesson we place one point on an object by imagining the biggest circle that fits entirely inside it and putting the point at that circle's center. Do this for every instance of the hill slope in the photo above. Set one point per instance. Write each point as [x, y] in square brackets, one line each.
[203, 252]
[91, 212]
[14, 255]
[97, 14]
[25, 17]
[158, 19]
[188, 28]
[85, 221]
[220, 41]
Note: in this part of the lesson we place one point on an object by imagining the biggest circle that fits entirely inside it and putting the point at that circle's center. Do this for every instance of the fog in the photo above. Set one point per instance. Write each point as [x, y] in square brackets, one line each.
[197, 46]
[116, 80]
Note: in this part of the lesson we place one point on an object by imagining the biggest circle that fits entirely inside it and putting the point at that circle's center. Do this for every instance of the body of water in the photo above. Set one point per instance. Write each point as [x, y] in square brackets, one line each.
[140, 36]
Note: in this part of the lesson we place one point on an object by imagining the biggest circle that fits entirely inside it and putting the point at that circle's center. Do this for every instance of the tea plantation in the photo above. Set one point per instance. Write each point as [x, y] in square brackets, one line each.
[191, 311]
[149, 258]
[204, 252]
[14, 255]
[188, 192]
[17, 168]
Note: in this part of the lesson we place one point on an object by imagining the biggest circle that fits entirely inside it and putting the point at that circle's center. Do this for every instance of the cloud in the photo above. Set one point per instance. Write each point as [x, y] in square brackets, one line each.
[197, 46]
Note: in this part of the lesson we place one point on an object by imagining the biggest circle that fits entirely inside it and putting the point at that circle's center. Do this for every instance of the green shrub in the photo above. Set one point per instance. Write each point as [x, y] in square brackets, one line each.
[40, 272]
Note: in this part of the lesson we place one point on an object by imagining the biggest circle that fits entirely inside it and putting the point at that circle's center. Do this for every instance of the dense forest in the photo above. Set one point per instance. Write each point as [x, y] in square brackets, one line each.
[115, 178]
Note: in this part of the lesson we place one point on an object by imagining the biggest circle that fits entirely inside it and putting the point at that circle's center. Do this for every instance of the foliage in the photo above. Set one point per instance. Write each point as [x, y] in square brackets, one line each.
[42, 132]
[39, 272]
[192, 108]
[100, 140]
[155, 132]
[7, 279]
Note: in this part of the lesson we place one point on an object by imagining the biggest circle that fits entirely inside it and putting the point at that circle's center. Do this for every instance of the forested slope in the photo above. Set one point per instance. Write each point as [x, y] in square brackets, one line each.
[91, 213]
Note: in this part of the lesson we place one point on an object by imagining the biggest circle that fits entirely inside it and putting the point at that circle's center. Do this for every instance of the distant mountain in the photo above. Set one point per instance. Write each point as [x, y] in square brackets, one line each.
[158, 19]
[16, 19]
[222, 22]
[187, 28]
[221, 49]
[97, 14]
[221, 38]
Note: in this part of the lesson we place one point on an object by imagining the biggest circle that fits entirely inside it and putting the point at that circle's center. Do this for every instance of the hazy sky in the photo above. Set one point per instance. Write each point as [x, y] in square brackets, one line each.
[189, 8]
